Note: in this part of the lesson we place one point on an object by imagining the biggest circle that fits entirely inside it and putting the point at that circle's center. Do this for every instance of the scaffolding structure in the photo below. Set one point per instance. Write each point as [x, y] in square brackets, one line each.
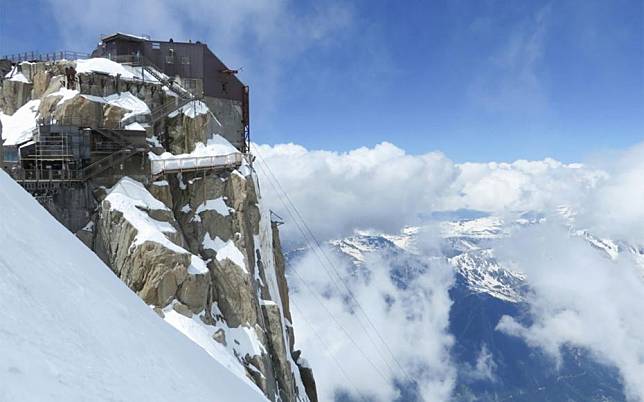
[62, 155]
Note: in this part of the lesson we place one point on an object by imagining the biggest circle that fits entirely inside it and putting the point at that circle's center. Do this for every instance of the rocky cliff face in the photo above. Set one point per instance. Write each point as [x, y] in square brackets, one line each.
[198, 248]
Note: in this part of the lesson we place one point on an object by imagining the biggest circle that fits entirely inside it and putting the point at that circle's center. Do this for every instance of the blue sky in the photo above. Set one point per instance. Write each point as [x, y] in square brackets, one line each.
[478, 80]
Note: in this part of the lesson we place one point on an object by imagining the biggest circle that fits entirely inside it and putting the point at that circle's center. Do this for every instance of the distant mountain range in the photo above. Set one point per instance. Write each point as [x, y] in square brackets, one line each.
[482, 293]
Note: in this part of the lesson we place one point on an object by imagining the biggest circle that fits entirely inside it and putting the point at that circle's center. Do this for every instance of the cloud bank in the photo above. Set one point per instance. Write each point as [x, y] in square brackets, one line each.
[384, 188]
[580, 297]
[616, 209]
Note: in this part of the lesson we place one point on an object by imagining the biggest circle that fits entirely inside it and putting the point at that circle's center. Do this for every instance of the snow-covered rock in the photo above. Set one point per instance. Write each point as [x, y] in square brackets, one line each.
[214, 273]
[104, 66]
[18, 127]
[133, 105]
[191, 125]
[14, 93]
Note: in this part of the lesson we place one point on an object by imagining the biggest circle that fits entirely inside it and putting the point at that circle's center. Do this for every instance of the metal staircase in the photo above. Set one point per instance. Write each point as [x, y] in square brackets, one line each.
[116, 136]
[128, 150]
[162, 78]
[158, 113]
[151, 68]
[168, 108]
[184, 96]
[112, 135]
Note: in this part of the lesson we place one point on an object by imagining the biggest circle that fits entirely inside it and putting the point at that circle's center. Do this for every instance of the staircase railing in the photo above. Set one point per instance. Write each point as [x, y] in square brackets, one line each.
[166, 109]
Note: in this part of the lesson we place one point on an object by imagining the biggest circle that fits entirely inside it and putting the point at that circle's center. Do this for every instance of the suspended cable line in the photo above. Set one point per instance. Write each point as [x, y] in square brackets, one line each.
[307, 233]
[327, 349]
[316, 252]
[340, 326]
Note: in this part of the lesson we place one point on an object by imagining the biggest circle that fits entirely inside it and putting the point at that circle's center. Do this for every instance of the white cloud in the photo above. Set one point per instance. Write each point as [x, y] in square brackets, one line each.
[412, 321]
[616, 209]
[581, 298]
[380, 187]
[80, 26]
[384, 188]
[484, 367]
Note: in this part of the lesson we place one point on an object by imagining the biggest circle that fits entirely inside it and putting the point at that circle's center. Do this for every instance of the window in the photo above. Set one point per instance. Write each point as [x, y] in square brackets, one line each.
[185, 60]
[169, 59]
[156, 45]
[10, 154]
[190, 83]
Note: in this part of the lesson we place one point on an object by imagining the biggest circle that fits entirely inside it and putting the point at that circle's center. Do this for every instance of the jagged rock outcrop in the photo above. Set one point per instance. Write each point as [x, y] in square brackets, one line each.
[14, 94]
[41, 82]
[158, 272]
[27, 81]
[189, 125]
[199, 248]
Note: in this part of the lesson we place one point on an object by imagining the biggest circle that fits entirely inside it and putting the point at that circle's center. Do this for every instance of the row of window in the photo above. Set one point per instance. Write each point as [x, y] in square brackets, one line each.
[183, 60]
[170, 58]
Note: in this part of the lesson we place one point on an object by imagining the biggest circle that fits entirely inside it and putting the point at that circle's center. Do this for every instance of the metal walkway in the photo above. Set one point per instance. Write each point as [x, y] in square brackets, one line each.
[160, 167]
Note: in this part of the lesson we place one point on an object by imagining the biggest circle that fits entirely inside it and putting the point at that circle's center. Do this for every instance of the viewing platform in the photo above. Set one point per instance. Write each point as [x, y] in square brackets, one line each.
[187, 164]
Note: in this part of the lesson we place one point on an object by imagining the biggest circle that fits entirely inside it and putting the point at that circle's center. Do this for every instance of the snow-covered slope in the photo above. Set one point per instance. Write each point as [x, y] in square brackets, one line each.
[70, 330]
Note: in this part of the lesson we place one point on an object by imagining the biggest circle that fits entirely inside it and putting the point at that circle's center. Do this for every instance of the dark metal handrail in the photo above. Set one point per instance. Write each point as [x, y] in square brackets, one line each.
[67, 120]
[21, 174]
[49, 56]
[81, 122]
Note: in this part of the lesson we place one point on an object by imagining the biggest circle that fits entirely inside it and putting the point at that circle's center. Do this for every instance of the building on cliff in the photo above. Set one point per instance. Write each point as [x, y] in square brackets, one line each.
[75, 147]
[196, 68]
